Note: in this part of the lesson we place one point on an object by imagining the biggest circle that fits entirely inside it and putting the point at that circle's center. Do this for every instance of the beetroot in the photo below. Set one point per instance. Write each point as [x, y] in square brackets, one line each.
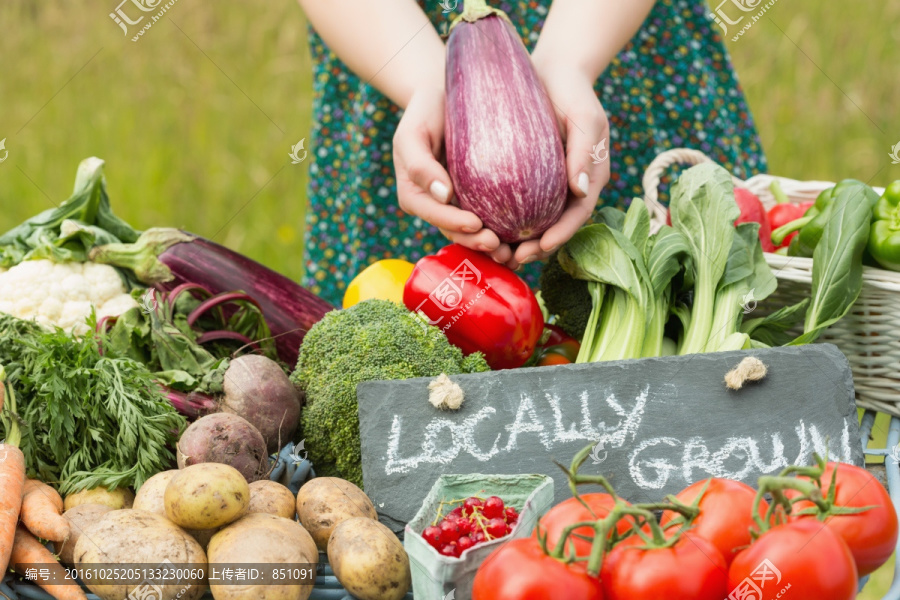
[226, 439]
[257, 389]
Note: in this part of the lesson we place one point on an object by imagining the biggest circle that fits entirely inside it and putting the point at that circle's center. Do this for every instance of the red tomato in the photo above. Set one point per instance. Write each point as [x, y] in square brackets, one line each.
[692, 569]
[872, 535]
[802, 560]
[726, 514]
[572, 511]
[519, 570]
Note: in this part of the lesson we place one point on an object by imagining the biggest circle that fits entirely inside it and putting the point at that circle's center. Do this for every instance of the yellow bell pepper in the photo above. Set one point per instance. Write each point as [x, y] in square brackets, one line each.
[383, 280]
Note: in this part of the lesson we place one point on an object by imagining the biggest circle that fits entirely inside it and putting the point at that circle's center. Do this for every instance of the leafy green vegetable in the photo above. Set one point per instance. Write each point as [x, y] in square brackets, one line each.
[601, 255]
[773, 329]
[67, 233]
[746, 281]
[86, 419]
[837, 261]
[704, 211]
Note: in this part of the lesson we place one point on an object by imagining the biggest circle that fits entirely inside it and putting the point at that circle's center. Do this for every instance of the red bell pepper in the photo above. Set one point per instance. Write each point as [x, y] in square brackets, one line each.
[752, 211]
[480, 305]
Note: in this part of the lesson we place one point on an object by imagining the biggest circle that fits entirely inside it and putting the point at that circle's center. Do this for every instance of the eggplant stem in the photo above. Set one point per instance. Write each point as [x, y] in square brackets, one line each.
[473, 10]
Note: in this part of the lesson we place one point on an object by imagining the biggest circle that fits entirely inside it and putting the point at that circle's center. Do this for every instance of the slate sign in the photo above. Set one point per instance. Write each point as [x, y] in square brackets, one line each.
[658, 424]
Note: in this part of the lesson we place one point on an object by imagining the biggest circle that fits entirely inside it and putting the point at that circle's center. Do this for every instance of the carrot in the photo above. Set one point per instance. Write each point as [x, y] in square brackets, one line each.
[41, 512]
[12, 477]
[28, 553]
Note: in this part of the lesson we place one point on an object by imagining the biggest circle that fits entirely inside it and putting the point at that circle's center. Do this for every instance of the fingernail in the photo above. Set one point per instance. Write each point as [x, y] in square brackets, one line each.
[528, 259]
[583, 183]
[439, 191]
[469, 229]
[482, 248]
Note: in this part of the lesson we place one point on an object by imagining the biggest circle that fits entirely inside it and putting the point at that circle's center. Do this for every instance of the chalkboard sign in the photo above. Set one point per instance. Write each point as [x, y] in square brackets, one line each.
[658, 424]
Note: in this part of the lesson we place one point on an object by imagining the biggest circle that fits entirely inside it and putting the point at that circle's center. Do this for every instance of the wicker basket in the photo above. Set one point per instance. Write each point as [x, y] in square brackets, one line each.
[870, 333]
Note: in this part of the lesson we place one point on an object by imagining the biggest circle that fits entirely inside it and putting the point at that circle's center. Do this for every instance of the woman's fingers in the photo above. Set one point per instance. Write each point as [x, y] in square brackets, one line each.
[483, 241]
[424, 189]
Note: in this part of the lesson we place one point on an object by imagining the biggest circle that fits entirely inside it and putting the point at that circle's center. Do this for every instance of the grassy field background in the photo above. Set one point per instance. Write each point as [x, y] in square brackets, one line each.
[196, 119]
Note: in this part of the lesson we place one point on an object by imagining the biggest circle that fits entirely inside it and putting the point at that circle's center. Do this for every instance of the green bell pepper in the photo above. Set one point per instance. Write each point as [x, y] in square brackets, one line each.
[812, 224]
[884, 237]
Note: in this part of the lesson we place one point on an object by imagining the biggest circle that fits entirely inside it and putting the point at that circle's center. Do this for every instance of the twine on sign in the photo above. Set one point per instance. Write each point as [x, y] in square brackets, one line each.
[749, 369]
[445, 394]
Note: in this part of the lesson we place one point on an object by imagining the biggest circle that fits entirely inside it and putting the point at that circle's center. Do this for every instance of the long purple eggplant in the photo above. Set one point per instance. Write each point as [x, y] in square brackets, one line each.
[504, 151]
[167, 258]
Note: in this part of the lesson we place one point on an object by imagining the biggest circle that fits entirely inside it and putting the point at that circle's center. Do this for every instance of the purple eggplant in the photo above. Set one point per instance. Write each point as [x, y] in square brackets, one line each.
[504, 150]
[167, 258]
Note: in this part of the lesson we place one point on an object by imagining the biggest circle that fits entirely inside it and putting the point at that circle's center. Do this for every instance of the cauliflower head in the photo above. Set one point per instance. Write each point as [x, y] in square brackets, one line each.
[63, 294]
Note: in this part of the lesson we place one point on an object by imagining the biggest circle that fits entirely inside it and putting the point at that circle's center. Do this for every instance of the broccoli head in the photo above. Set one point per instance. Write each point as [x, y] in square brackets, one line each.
[566, 297]
[373, 340]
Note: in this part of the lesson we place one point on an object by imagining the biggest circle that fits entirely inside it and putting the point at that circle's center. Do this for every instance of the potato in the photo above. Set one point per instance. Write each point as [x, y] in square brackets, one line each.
[150, 496]
[206, 496]
[116, 499]
[273, 498]
[80, 518]
[324, 502]
[129, 537]
[262, 539]
[369, 560]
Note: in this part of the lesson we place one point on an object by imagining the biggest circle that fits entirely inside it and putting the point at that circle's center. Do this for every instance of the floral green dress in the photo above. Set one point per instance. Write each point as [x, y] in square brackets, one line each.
[672, 86]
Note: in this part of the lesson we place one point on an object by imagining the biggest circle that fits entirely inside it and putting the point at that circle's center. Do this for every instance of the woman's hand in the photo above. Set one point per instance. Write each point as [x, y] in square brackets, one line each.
[583, 125]
[424, 189]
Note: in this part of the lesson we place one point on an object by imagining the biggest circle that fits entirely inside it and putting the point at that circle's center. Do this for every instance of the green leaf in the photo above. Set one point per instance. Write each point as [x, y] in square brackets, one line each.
[837, 262]
[704, 211]
[637, 224]
[773, 329]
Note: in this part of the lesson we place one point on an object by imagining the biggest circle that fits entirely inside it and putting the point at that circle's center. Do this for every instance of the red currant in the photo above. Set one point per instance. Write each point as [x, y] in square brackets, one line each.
[449, 550]
[471, 505]
[511, 515]
[493, 507]
[432, 535]
[480, 537]
[464, 543]
[465, 526]
[454, 514]
[497, 528]
[449, 531]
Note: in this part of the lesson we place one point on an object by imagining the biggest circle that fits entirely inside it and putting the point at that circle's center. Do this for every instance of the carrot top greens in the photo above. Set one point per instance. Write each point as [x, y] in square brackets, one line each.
[85, 419]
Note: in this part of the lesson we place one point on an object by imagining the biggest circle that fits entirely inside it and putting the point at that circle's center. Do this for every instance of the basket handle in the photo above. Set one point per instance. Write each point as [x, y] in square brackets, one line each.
[681, 156]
